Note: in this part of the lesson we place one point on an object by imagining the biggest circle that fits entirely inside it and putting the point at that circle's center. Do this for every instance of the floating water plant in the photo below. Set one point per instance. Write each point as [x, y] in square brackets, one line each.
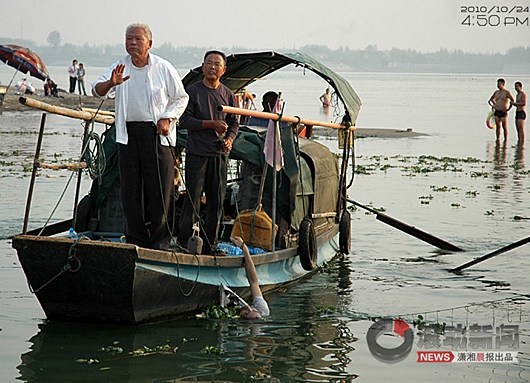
[443, 188]
[212, 350]
[426, 197]
[163, 349]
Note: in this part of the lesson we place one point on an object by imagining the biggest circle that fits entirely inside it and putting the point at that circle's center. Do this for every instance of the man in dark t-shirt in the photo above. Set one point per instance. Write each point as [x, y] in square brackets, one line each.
[210, 137]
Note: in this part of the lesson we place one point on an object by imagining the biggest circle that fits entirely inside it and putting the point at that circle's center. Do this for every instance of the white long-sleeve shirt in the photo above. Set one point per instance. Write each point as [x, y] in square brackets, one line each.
[166, 95]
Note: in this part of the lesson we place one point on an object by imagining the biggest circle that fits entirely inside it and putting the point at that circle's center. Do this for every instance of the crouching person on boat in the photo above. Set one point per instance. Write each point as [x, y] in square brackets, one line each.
[150, 98]
[259, 307]
[210, 137]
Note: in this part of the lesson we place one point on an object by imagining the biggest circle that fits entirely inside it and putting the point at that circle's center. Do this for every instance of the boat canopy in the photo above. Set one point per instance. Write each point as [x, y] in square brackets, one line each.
[245, 68]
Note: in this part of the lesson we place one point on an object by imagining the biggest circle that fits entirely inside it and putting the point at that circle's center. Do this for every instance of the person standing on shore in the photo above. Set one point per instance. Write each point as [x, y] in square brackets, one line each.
[72, 73]
[520, 112]
[501, 101]
[210, 137]
[81, 78]
[150, 98]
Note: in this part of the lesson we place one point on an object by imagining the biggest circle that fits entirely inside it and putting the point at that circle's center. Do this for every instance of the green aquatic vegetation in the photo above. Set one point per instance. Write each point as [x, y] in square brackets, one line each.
[472, 193]
[403, 158]
[522, 172]
[424, 170]
[327, 267]
[212, 350]
[456, 204]
[479, 174]
[260, 376]
[489, 212]
[495, 187]
[443, 188]
[162, 349]
[426, 197]
[6, 163]
[453, 160]
[380, 209]
[217, 312]
[87, 361]
[327, 310]
[385, 167]
[361, 169]
[113, 349]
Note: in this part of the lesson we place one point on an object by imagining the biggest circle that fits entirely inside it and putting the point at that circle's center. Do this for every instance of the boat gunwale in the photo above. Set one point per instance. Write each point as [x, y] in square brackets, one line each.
[147, 255]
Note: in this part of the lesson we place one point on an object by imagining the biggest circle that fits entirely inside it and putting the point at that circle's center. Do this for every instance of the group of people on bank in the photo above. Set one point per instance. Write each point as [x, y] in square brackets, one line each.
[501, 102]
[76, 77]
[149, 100]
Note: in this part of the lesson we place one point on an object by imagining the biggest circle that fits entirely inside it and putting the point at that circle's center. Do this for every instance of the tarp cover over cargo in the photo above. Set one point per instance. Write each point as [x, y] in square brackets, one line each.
[245, 68]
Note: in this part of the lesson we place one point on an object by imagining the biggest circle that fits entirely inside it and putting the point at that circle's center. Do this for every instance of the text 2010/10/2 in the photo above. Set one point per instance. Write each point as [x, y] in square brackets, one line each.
[494, 9]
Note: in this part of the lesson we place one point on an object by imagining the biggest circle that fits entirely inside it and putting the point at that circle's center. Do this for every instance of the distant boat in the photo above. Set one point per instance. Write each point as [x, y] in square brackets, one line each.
[98, 278]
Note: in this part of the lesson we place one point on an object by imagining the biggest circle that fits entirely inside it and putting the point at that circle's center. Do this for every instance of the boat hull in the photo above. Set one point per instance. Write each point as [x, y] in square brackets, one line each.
[96, 281]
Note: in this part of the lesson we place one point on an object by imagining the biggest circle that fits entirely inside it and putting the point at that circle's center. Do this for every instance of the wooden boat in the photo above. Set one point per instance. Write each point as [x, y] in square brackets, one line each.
[99, 278]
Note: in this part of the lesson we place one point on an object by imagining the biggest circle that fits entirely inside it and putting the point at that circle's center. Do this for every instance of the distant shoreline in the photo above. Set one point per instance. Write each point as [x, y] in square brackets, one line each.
[76, 102]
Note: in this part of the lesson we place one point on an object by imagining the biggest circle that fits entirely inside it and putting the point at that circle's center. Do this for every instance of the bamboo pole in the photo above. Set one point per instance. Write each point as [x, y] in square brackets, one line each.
[100, 112]
[71, 166]
[276, 117]
[81, 115]
[34, 173]
[492, 254]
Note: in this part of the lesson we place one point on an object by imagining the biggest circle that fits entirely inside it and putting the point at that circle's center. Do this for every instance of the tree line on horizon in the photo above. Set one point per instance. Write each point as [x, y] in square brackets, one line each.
[370, 59]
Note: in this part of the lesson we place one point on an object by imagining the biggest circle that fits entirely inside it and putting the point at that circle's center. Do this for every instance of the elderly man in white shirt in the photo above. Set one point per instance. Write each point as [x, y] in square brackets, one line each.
[150, 98]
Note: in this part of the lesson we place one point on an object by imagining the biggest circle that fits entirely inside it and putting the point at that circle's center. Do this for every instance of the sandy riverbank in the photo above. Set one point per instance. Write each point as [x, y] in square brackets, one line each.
[66, 100]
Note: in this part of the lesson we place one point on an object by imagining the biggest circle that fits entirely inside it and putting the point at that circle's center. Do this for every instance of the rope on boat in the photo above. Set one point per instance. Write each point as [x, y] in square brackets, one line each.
[94, 156]
[64, 269]
[57, 204]
[67, 267]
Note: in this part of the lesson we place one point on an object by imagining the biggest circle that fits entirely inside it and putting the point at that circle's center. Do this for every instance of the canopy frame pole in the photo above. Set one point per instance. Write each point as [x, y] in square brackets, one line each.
[80, 173]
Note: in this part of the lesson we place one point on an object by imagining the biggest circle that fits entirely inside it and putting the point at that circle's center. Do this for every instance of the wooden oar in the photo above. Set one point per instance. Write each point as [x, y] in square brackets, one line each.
[81, 115]
[415, 232]
[275, 117]
[492, 254]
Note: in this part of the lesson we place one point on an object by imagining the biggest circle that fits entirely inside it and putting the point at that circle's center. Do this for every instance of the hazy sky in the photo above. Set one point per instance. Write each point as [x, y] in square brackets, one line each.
[424, 25]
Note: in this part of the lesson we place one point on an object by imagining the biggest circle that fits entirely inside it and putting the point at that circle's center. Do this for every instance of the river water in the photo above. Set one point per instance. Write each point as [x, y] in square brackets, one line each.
[456, 183]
